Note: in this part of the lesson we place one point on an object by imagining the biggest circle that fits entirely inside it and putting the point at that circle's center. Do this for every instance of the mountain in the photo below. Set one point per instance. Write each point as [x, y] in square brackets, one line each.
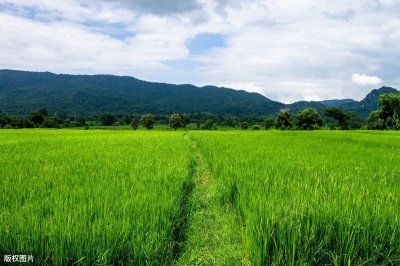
[22, 92]
[363, 107]
[336, 102]
[294, 107]
[369, 103]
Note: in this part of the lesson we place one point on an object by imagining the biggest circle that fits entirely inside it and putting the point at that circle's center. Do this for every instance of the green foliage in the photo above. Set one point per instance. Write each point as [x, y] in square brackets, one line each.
[175, 121]
[369, 103]
[375, 121]
[208, 125]
[390, 104]
[244, 125]
[283, 120]
[269, 122]
[256, 127]
[22, 92]
[389, 115]
[192, 126]
[127, 119]
[36, 118]
[50, 122]
[134, 123]
[80, 120]
[8, 121]
[308, 119]
[148, 121]
[107, 119]
[339, 115]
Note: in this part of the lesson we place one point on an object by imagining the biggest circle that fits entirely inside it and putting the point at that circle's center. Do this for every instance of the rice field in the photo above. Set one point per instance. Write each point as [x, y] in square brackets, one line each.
[311, 198]
[160, 197]
[97, 197]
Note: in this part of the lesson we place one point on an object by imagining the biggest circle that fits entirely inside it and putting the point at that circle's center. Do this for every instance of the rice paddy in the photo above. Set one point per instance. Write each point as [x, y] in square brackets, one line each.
[98, 197]
[200, 198]
[316, 198]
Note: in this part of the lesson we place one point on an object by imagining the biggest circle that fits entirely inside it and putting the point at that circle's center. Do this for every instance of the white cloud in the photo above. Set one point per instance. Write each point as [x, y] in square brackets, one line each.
[287, 50]
[365, 80]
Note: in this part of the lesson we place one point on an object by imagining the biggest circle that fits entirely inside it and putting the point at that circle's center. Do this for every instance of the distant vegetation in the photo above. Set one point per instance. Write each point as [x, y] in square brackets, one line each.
[81, 95]
[388, 117]
[68, 101]
[23, 92]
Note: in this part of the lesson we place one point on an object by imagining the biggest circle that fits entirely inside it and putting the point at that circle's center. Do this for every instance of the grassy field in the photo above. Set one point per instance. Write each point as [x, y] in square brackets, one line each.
[311, 197]
[103, 197]
[201, 198]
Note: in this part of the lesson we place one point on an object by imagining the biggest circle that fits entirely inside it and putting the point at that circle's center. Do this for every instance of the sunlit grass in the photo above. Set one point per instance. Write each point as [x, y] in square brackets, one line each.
[311, 197]
[112, 197]
[91, 196]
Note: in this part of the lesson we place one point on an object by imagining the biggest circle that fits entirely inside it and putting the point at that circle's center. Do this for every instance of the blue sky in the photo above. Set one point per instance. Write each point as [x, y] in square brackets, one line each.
[287, 50]
[203, 42]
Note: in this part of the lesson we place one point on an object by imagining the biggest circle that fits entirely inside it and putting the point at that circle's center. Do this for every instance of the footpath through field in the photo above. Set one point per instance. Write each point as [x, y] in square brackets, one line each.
[213, 235]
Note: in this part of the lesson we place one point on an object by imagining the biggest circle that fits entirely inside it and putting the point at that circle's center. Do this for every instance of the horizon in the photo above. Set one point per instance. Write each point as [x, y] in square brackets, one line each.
[286, 51]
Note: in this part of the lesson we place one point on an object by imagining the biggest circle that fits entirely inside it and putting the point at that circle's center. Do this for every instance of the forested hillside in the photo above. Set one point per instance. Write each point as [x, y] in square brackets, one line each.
[23, 92]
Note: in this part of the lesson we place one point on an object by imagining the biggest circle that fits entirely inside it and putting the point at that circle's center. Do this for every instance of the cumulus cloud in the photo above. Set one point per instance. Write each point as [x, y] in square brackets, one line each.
[163, 7]
[365, 80]
[286, 50]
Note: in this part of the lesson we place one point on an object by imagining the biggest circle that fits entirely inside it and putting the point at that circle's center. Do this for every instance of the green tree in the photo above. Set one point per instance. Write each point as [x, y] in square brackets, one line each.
[175, 121]
[340, 116]
[107, 119]
[244, 125]
[256, 127]
[269, 122]
[3, 121]
[390, 103]
[375, 120]
[388, 117]
[148, 121]
[80, 120]
[50, 122]
[283, 120]
[308, 119]
[36, 118]
[390, 107]
[127, 119]
[208, 125]
[134, 123]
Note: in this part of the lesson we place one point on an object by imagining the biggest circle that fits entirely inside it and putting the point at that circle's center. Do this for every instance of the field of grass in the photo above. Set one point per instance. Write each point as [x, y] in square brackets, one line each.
[201, 198]
[311, 197]
[104, 197]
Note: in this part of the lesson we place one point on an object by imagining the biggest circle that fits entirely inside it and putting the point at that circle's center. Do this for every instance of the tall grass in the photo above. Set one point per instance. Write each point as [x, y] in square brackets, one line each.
[311, 198]
[97, 197]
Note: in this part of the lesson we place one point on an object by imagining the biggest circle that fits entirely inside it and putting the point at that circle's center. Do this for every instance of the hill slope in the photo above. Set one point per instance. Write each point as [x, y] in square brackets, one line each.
[369, 103]
[22, 92]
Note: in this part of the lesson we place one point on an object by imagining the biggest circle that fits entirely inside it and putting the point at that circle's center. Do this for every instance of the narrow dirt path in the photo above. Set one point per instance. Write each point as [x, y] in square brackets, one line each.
[213, 235]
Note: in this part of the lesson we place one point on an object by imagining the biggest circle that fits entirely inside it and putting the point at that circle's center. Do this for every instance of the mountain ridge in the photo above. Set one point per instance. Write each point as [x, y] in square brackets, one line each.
[22, 92]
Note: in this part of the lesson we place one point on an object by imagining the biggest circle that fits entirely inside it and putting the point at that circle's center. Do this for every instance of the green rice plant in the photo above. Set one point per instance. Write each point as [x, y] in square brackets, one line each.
[122, 197]
[311, 198]
[92, 197]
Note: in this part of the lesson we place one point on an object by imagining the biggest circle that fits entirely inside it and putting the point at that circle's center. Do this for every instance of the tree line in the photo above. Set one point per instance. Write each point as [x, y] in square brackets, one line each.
[388, 117]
